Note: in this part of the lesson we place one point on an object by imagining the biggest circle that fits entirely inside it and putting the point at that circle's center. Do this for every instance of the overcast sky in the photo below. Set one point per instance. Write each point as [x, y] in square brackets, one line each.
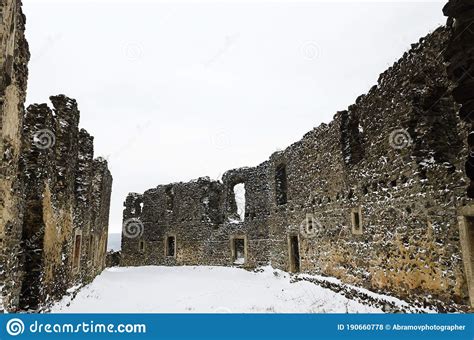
[177, 90]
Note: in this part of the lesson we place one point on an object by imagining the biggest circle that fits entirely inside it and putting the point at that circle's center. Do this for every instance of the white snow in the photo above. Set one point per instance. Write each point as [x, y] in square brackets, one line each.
[397, 302]
[204, 290]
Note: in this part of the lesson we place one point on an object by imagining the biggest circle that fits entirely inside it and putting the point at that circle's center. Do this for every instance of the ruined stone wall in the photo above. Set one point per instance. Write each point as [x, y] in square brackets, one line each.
[202, 216]
[459, 55]
[67, 198]
[394, 160]
[371, 198]
[14, 57]
[51, 188]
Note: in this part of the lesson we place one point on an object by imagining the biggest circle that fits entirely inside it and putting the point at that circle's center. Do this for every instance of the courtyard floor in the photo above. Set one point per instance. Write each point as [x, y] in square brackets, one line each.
[206, 290]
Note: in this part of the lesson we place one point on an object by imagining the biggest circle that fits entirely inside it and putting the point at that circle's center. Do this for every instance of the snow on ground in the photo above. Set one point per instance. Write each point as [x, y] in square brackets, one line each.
[204, 290]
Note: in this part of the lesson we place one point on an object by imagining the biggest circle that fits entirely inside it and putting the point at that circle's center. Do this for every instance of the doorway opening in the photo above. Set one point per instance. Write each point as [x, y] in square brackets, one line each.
[294, 250]
[239, 251]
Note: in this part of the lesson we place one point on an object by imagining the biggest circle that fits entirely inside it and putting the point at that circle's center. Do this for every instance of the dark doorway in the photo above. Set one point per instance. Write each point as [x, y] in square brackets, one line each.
[294, 254]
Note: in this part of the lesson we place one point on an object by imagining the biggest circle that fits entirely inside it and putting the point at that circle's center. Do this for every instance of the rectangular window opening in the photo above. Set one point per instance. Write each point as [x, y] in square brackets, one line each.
[171, 246]
[356, 221]
[77, 251]
[309, 223]
[239, 198]
[169, 198]
[281, 185]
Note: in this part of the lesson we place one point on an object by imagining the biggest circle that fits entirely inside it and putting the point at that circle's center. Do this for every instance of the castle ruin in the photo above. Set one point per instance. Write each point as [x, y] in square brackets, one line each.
[375, 198]
[54, 196]
[379, 198]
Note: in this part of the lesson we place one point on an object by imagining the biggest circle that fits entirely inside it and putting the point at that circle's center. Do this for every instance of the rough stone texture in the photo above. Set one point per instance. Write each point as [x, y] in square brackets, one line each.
[67, 202]
[113, 259]
[201, 215]
[459, 55]
[51, 188]
[371, 198]
[14, 57]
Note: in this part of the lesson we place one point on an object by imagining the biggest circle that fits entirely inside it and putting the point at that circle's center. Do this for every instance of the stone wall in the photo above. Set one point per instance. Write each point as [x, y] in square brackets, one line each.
[383, 183]
[14, 57]
[54, 197]
[67, 200]
[202, 216]
[459, 55]
[371, 198]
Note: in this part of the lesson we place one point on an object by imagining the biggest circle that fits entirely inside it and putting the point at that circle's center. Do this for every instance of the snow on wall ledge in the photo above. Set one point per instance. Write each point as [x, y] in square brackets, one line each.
[370, 199]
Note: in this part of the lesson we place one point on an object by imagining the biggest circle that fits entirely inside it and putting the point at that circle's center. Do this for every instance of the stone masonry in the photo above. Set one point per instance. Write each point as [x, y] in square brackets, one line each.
[54, 196]
[372, 198]
[67, 202]
[459, 55]
[14, 57]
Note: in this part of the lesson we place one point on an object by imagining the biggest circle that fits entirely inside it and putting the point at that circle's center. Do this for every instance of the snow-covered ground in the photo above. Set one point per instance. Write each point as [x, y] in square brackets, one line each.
[204, 290]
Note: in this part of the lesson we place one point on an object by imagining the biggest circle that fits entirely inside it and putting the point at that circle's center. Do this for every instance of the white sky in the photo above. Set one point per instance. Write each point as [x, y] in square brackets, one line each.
[175, 90]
